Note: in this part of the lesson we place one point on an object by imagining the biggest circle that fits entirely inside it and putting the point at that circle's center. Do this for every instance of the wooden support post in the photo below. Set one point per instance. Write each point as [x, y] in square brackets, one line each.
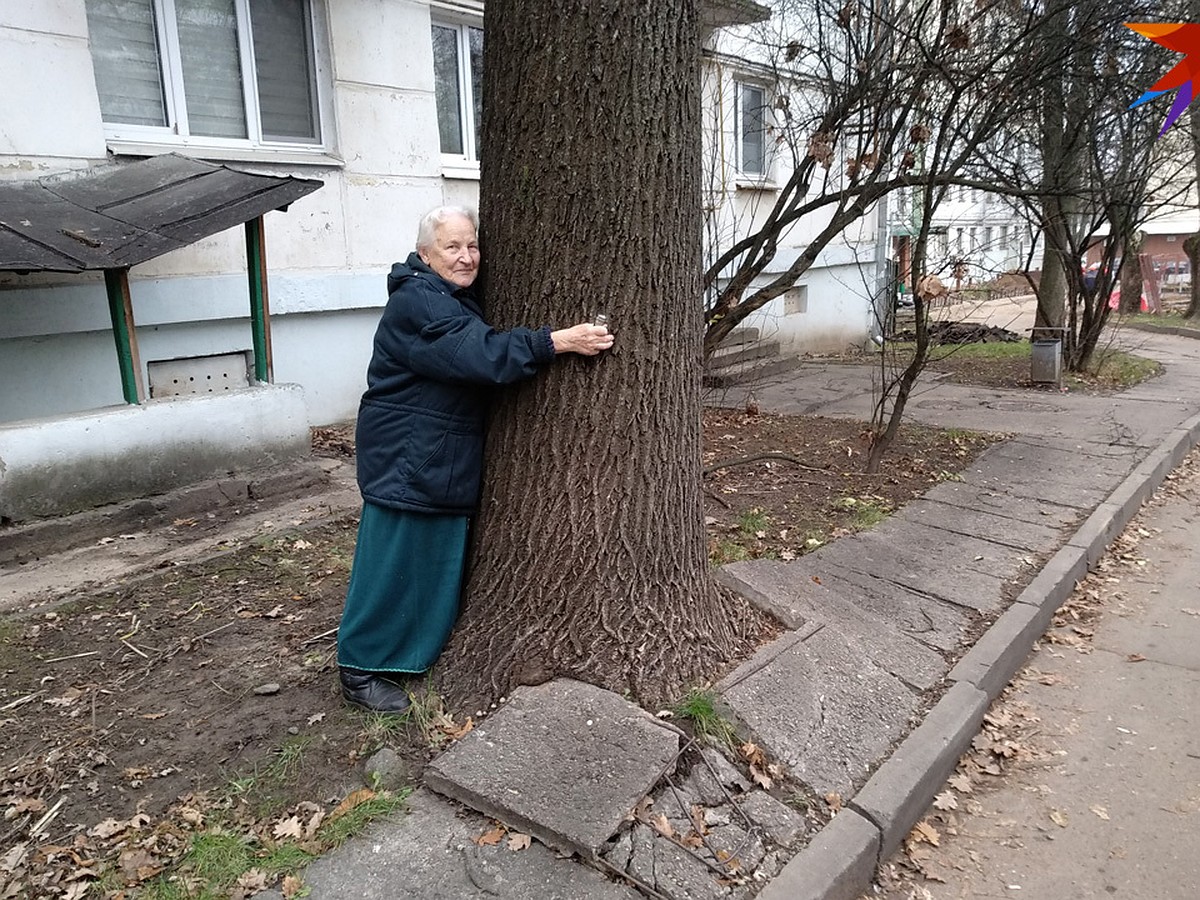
[260, 308]
[120, 308]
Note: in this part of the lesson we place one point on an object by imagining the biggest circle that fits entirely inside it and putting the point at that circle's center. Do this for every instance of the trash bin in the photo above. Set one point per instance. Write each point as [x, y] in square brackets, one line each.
[1045, 358]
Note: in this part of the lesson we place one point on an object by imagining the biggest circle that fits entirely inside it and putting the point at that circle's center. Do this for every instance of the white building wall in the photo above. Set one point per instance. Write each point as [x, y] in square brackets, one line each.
[837, 287]
[327, 256]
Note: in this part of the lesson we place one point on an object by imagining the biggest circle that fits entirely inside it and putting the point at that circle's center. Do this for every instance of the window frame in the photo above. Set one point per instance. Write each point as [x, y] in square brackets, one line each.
[741, 84]
[176, 134]
[465, 164]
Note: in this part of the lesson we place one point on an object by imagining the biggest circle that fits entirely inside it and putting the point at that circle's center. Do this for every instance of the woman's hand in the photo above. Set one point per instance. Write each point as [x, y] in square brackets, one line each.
[585, 339]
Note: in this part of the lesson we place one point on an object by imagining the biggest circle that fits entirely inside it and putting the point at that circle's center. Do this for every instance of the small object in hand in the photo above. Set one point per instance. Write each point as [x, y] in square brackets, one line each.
[601, 319]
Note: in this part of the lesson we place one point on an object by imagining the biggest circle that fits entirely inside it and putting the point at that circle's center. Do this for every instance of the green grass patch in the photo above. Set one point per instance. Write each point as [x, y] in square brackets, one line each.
[862, 512]
[1163, 320]
[699, 707]
[752, 521]
[219, 856]
[1000, 350]
[727, 551]
[1117, 369]
[384, 803]
[268, 787]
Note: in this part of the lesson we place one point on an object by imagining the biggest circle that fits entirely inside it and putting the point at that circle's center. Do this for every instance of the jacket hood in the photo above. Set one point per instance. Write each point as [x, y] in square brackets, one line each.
[406, 269]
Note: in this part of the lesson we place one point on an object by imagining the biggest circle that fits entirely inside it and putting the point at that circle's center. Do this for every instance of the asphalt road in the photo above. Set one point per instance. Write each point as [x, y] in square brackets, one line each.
[1104, 800]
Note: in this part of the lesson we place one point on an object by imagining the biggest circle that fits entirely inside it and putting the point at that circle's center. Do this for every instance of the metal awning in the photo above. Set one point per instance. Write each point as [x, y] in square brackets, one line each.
[116, 216]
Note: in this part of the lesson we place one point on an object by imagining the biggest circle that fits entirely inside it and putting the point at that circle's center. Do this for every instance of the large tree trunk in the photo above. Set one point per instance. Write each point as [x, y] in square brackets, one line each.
[589, 554]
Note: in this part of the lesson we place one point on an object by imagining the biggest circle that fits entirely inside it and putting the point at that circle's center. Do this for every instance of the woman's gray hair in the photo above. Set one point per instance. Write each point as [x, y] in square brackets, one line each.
[435, 217]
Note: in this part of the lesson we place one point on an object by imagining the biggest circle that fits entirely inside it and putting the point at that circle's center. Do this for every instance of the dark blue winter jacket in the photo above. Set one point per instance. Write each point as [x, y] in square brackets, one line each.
[420, 422]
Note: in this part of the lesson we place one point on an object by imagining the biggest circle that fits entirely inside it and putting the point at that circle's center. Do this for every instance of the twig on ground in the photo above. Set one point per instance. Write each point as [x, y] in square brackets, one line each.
[319, 637]
[745, 460]
[73, 656]
[134, 649]
[20, 701]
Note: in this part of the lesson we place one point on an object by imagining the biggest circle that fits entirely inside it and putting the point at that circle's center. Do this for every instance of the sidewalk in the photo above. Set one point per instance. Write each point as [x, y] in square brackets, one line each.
[876, 626]
[1103, 797]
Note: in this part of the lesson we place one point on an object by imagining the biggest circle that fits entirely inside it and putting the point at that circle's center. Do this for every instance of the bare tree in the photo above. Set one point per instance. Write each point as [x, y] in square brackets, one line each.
[1089, 170]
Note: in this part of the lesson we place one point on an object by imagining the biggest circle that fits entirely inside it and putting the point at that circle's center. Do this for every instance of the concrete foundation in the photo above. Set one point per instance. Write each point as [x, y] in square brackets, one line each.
[54, 467]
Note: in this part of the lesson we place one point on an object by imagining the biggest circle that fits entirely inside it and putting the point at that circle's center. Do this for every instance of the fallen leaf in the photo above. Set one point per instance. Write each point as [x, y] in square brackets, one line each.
[490, 838]
[1100, 811]
[923, 831]
[518, 841]
[288, 828]
[314, 718]
[696, 814]
[12, 860]
[291, 887]
[1135, 657]
[152, 716]
[107, 829]
[962, 783]
[138, 865]
[945, 800]
[253, 880]
[662, 826]
[456, 732]
[761, 778]
[356, 798]
[24, 805]
[1058, 818]
[753, 754]
[834, 801]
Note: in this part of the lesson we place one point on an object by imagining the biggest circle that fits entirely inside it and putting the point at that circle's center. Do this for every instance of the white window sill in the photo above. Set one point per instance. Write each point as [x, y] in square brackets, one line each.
[303, 156]
[465, 170]
[749, 183]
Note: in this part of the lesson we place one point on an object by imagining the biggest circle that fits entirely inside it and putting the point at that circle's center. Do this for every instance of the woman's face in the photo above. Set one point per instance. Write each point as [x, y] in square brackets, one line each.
[454, 254]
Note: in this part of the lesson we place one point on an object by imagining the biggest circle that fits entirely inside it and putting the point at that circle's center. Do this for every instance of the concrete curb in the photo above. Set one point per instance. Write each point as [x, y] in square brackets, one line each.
[842, 859]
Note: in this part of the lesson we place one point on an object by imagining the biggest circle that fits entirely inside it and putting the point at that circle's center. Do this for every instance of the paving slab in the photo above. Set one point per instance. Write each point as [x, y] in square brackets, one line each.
[784, 586]
[429, 853]
[1029, 536]
[822, 707]
[998, 500]
[1046, 472]
[924, 618]
[670, 870]
[565, 761]
[959, 569]
[1079, 447]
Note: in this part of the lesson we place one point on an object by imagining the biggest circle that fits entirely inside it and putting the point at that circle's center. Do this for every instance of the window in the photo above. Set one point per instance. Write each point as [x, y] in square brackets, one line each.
[987, 237]
[752, 130]
[213, 72]
[458, 85]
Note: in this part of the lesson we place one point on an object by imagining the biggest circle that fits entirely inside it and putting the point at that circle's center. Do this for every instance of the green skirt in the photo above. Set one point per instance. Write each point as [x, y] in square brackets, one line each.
[404, 590]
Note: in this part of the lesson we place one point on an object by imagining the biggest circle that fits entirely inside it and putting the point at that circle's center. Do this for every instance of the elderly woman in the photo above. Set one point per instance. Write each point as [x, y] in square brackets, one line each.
[420, 448]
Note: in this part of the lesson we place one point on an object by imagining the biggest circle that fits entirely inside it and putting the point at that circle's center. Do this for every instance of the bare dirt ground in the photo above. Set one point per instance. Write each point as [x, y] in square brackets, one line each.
[199, 695]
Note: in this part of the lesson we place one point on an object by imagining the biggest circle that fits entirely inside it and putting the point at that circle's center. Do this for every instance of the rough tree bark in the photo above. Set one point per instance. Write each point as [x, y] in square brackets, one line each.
[589, 552]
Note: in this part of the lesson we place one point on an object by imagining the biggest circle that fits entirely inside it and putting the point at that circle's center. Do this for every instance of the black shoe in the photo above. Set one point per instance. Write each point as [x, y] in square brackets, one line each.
[371, 691]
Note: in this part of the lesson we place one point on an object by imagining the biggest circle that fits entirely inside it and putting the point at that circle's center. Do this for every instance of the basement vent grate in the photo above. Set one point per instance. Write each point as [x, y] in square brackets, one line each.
[199, 374]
